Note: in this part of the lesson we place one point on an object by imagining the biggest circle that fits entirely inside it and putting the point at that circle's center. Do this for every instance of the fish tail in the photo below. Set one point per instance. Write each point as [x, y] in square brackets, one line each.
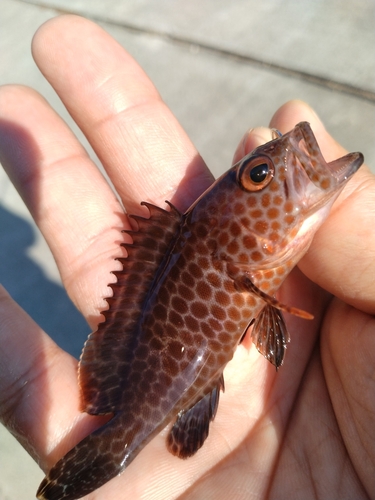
[92, 462]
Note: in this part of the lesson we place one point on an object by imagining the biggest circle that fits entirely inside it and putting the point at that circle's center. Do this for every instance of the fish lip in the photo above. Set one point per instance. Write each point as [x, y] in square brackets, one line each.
[341, 168]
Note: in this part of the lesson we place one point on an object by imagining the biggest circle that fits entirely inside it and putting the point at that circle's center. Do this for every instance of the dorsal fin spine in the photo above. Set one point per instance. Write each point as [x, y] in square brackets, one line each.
[146, 259]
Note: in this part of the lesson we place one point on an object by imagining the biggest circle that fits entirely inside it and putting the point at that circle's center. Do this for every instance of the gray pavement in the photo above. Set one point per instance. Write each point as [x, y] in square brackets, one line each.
[222, 67]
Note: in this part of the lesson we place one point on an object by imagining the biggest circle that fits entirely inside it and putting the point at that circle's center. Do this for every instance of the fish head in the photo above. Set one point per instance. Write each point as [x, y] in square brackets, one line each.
[265, 210]
[296, 188]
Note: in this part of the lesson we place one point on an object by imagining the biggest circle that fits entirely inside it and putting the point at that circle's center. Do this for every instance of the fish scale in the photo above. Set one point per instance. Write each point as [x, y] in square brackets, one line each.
[191, 286]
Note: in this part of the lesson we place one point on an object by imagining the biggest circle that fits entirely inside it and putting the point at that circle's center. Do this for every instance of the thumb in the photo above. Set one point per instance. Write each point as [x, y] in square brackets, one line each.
[341, 258]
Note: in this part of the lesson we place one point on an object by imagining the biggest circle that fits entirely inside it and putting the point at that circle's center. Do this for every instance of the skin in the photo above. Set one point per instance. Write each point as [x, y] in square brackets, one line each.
[304, 432]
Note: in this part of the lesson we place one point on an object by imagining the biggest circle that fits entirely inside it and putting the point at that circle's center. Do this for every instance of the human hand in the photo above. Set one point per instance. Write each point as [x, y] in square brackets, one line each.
[306, 431]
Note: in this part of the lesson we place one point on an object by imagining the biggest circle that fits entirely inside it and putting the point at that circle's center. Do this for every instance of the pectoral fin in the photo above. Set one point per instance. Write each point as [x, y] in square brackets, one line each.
[191, 428]
[270, 334]
[245, 283]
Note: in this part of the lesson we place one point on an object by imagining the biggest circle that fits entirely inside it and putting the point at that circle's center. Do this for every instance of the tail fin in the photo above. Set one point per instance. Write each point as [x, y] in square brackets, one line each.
[91, 463]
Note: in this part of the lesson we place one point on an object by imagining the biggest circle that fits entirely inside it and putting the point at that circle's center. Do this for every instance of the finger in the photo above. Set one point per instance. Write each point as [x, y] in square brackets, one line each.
[252, 139]
[30, 361]
[143, 148]
[341, 258]
[348, 353]
[69, 199]
[39, 396]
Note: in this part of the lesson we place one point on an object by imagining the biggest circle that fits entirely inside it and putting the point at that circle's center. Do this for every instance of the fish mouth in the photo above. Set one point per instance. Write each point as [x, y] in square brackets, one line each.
[323, 174]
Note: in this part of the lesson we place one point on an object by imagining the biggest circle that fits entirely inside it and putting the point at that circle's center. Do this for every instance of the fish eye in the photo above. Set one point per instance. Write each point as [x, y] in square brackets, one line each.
[259, 173]
[255, 173]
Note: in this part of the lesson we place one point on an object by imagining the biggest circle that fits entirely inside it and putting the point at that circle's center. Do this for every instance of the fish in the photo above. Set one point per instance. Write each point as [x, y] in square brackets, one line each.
[191, 286]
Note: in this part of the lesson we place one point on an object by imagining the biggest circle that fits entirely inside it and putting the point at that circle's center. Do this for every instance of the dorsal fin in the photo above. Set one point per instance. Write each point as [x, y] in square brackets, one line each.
[105, 356]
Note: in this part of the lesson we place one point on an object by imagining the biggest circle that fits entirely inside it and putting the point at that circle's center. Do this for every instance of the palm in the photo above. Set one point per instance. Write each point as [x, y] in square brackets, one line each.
[305, 431]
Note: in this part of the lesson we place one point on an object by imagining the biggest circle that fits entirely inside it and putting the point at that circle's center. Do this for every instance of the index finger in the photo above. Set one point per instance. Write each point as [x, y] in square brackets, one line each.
[146, 153]
[138, 140]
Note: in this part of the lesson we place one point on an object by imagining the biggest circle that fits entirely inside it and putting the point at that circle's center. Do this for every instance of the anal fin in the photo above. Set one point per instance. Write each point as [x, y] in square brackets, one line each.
[270, 335]
[191, 428]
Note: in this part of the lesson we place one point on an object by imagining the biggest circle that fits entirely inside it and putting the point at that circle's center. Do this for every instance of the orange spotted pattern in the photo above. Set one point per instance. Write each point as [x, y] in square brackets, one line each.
[189, 289]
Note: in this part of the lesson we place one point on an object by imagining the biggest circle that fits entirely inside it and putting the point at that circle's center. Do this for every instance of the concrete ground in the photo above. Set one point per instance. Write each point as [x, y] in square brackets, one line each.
[222, 67]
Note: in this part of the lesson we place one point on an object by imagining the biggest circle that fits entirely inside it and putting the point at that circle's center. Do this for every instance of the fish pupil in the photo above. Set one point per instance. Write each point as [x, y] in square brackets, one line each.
[259, 173]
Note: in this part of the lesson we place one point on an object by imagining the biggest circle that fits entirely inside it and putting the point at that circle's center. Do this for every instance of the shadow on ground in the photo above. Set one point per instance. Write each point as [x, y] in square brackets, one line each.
[45, 301]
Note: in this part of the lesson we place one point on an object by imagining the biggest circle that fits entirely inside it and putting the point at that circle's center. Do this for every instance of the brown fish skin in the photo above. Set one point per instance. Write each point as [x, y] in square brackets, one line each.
[190, 287]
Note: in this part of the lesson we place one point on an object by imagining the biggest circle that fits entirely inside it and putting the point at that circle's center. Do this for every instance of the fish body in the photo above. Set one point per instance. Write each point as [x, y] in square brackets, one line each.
[190, 287]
